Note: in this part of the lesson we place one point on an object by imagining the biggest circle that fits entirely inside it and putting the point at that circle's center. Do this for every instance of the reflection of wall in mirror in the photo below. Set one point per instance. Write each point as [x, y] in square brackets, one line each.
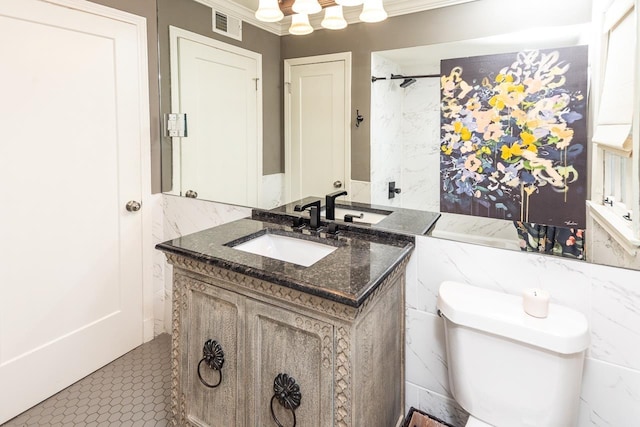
[405, 134]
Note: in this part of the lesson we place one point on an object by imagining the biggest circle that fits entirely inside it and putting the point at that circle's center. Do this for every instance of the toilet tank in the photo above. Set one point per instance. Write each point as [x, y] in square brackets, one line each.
[510, 369]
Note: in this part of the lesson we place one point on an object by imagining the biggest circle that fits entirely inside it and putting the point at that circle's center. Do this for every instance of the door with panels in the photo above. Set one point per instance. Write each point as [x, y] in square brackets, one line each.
[73, 266]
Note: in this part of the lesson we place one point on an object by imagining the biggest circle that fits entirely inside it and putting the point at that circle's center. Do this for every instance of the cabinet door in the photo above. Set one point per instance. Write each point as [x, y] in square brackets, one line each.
[284, 342]
[217, 315]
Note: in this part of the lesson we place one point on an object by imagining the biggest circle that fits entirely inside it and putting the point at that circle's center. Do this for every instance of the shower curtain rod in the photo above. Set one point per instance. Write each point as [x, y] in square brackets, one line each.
[399, 76]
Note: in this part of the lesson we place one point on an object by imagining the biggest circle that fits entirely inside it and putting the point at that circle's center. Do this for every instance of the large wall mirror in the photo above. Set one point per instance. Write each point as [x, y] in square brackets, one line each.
[410, 44]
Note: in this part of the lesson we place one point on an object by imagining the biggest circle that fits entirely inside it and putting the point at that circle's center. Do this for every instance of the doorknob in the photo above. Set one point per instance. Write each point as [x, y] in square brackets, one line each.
[337, 184]
[133, 206]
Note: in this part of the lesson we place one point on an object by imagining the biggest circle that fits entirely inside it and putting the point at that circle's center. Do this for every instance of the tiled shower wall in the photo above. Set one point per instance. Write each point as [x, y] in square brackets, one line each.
[386, 132]
[609, 297]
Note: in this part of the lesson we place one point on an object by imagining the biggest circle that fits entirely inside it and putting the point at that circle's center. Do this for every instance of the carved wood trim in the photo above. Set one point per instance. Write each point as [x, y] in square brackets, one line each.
[283, 293]
[177, 402]
[303, 299]
[342, 378]
[237, 282]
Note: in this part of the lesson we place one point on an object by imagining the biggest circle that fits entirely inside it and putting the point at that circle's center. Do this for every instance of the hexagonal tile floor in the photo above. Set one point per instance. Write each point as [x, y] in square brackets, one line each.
[133, 390]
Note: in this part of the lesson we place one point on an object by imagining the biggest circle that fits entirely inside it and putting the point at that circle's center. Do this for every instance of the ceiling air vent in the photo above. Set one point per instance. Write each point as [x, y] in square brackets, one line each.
[227, 25]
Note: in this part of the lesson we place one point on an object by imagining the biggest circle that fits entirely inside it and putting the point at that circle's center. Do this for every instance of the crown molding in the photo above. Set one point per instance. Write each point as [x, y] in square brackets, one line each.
[351, 14]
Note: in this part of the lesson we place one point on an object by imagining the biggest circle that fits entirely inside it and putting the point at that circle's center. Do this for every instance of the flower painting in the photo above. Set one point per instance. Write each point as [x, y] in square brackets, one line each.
[513, 136]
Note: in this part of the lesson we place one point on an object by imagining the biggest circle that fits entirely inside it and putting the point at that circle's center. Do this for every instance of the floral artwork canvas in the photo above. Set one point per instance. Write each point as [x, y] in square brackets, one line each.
[513, 136]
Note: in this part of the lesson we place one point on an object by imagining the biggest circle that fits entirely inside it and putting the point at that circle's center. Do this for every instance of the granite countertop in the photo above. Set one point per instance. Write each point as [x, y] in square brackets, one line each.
[348, 275]
[399, 220]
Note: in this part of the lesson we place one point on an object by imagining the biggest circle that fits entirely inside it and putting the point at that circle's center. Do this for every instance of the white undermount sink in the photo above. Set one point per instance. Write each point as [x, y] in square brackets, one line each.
[285, 248]
[367, 217]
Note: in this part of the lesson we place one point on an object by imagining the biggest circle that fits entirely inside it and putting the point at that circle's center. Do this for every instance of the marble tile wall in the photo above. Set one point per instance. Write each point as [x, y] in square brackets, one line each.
[360, 191]
[174, 217]
[421, 145]
[272, 191]
[386, 129]
[602, 248]
[609, 297]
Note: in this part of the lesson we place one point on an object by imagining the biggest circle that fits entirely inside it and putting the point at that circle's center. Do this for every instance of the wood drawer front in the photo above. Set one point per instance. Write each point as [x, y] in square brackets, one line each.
[215, 314]
[281, 341]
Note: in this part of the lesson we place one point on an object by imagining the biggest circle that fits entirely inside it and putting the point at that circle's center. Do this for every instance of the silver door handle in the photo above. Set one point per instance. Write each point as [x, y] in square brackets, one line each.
[191, 194]
[337, 184]
[133, 206]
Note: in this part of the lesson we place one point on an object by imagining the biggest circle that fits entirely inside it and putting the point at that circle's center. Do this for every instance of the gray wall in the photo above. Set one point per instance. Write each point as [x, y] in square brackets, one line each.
[469, 20]
[195, 17]
[465, 21]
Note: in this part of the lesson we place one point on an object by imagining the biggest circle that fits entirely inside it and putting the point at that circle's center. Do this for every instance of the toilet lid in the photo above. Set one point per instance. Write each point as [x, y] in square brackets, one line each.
[474, 422]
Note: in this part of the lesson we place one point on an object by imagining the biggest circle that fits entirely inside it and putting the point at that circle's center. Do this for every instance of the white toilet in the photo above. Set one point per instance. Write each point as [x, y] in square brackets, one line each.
[507, 368]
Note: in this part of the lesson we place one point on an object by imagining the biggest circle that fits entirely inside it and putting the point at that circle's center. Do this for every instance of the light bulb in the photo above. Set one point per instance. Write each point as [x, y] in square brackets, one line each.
[300, 24]
[307, 7]
[269, 11]
[372, 11]
[333, 18]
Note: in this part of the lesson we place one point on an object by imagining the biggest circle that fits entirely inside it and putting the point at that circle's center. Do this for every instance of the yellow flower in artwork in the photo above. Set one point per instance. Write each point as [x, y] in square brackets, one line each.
[527, 138]
[533, 124]
[520, 116]
[504, 78]
[465, 134]
[496, 102]
[509, 152]
[446, 150]
[457, 127]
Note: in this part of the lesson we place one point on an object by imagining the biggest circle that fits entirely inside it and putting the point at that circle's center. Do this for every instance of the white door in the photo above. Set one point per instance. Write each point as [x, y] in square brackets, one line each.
[71, 254]
[317, 146]
[218, 87]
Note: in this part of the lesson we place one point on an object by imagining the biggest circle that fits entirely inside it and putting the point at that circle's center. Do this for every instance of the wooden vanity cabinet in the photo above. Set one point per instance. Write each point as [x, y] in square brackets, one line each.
[210, 313]
[348, 362]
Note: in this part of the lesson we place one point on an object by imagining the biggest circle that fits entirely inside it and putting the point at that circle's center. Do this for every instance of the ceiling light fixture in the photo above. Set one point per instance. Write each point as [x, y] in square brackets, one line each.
[275, 10]
[300, 24]
[308, 7]
[269, 11]
[333, 18]
[373, 11]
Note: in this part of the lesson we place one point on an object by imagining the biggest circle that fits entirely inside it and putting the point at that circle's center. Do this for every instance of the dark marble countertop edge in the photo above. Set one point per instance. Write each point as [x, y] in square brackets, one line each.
[347, 299]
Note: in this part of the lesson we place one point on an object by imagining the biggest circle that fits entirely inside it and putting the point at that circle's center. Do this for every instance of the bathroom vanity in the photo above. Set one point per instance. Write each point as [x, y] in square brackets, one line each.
[261, 341]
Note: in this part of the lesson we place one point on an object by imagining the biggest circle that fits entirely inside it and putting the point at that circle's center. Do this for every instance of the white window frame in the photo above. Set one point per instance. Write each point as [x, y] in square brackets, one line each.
[615, 183]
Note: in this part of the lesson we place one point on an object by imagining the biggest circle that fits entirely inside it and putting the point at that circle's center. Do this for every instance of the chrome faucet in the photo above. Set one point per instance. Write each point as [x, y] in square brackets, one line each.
[330, 204]
[314, 211]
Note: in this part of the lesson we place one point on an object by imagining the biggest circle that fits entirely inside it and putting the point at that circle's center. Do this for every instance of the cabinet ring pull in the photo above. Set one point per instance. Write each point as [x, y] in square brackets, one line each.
[213, 356]
[287, 392]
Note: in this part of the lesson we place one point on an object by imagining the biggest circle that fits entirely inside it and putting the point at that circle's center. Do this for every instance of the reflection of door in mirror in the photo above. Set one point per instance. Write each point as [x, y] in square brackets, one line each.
[317, 141]
[218, 87]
